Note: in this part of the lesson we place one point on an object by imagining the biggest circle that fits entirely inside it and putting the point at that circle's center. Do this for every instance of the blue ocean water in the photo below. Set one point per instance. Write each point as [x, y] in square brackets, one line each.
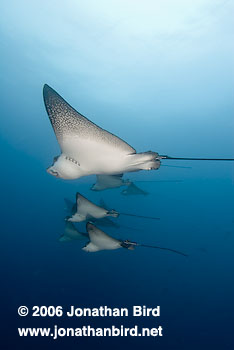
[160, 76]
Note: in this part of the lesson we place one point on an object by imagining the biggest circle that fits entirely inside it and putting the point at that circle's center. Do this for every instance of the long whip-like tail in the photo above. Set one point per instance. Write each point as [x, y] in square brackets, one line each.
[185, 158]
[128, 244]
[176, 166]
[157, 181]
[140, 216]
[156, 247]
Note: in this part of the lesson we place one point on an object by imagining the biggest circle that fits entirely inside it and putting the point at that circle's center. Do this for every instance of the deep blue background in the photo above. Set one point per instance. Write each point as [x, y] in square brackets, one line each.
[159, 75]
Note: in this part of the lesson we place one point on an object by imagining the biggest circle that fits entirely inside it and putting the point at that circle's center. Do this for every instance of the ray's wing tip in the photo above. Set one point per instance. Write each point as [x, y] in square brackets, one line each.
[48, 91]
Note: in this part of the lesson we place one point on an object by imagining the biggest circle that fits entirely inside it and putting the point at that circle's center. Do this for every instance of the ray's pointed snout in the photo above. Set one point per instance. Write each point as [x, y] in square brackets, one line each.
[50, 171]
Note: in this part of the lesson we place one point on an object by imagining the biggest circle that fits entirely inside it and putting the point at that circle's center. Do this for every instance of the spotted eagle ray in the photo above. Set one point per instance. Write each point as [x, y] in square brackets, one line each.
[71, 209]
[100, 240]
[88, 149]
[105, 182]
[87, 210]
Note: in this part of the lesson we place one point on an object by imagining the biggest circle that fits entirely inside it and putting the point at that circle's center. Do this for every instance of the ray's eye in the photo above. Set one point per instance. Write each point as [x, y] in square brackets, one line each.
[56, 158]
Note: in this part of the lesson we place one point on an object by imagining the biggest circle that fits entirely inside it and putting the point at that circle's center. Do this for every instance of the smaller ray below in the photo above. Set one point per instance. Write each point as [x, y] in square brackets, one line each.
[87, 210]
[99, 240]
[105, 221]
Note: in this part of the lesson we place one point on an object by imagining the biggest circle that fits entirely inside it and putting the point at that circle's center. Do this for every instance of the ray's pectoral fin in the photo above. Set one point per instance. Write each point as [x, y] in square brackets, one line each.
[77, 218]
[64, 238]
[99, 240]
[90, 247]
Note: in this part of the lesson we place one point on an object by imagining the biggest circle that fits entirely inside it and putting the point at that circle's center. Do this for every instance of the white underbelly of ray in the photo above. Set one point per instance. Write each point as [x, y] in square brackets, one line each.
[103, 158]
[94, 156]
